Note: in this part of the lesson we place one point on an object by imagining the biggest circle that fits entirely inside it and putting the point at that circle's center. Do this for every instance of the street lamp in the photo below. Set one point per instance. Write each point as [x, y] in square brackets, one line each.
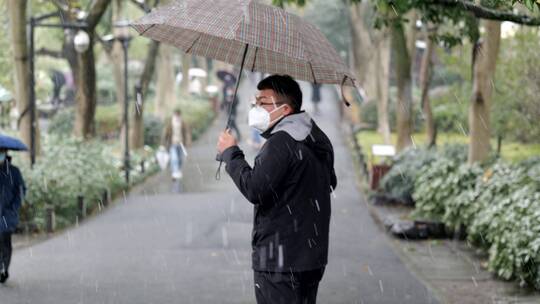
[81, 41]
[121, 33]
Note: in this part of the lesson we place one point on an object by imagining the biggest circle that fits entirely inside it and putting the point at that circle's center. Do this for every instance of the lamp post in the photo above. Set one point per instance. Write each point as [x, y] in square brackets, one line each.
[123, 36]
[81, 41]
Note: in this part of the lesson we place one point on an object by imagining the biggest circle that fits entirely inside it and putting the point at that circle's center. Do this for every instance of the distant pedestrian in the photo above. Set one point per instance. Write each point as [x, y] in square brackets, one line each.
[176, 137]
[12, 191]
[316, 96]
[290, 186]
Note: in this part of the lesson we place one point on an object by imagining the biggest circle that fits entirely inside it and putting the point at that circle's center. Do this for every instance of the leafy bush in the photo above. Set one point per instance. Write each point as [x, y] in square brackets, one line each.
[153, 128]
[399, 181]
[515, 247]
[438, 185]
[68, 168]
[456, 152]
[108, 122]
[61, 124]
[499, 207]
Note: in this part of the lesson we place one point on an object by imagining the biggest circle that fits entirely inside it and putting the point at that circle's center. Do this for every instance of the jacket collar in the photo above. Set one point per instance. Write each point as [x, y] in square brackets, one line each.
[297, 125]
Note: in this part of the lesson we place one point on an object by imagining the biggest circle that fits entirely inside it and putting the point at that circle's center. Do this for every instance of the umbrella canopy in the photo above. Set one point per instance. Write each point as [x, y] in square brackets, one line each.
[266, 38]
[11, 143]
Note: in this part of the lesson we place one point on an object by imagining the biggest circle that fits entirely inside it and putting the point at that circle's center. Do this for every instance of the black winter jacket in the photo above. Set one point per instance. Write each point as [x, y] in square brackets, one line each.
[290, 187]
[12, 190]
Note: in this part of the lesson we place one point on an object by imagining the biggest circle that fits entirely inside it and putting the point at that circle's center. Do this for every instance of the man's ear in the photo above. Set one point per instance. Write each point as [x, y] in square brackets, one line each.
[288, 110]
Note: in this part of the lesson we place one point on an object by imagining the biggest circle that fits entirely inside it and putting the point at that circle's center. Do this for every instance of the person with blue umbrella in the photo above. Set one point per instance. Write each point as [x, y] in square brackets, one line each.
[12, 191]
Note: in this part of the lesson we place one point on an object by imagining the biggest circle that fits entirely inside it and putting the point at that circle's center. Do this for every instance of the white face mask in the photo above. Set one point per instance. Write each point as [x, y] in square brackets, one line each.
[259, 118]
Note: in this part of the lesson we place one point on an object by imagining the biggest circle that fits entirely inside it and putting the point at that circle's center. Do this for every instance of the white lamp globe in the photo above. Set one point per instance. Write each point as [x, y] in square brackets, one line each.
[81, 42]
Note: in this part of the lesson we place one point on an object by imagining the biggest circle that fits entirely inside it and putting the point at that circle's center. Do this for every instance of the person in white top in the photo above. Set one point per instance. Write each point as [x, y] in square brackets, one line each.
[175, 137]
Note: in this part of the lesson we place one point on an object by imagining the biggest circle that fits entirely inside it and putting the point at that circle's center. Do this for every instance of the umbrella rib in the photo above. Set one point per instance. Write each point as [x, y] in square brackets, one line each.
[194, 41]
[254, 59]
[145, 30]
[312, 72]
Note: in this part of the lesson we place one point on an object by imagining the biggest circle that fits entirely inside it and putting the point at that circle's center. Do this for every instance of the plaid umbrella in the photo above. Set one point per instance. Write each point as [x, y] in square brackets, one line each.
[250, 34]
[263, 37]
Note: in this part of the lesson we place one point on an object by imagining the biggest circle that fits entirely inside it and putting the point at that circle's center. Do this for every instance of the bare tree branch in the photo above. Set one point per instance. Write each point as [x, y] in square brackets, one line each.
[488, 13]
[97, 10]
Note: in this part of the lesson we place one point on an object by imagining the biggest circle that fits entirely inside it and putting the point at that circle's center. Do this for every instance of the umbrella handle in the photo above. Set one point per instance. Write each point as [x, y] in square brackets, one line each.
[218, 156]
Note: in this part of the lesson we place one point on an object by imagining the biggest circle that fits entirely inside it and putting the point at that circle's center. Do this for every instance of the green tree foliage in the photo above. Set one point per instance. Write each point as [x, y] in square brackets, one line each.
[515, 110]
[334, 23]
[6, 64]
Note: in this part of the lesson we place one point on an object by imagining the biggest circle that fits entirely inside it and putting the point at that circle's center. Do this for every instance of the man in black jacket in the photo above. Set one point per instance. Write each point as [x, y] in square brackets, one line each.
[290, 186]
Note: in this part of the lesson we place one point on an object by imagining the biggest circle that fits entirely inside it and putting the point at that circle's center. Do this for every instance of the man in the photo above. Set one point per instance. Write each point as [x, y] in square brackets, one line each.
[290, 187]
[12, 191]
[175, 136]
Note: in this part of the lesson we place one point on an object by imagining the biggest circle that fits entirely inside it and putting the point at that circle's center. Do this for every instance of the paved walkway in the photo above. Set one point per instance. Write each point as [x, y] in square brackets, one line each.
[189, 242]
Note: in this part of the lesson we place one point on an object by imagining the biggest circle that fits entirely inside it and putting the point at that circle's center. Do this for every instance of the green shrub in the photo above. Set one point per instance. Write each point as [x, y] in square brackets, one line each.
[399, 181]
[515, 248]
[62, 123]
[68, 168]
[153, 128]
[498, 183]
[457, 207]
[437, 185]
[108, 122]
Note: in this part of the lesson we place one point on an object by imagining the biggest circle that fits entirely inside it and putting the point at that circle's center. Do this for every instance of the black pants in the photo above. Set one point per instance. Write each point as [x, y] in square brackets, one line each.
[287, 287]
[5, 251]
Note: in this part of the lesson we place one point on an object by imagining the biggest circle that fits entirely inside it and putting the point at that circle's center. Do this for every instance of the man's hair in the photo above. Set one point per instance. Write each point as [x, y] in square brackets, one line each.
[286, 88]
[177, 111]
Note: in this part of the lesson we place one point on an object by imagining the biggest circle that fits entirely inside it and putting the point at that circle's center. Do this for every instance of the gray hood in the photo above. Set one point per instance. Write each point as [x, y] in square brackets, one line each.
[298, 126]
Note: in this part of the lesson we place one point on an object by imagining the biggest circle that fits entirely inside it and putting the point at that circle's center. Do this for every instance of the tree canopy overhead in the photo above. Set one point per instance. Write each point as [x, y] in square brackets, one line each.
[500, 10]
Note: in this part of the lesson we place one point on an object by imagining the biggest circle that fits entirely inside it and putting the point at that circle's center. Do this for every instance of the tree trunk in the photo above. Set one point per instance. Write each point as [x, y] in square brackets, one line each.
[382, 71]
[371, 54]
[484, 64]
[86, 93]
[117, 56]
[425, 79]
[86, 76]
[17, 24]
[117, 63]
[137, 132]
[186, 64]
[404, 87]
[165, 88]
[363, 50]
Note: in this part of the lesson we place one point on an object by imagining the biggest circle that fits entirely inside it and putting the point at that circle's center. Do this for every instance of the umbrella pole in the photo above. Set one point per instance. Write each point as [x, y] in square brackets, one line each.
[229, 117]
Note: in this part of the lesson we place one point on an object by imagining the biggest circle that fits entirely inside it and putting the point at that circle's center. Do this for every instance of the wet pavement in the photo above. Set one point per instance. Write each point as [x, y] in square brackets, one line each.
[189, 241]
